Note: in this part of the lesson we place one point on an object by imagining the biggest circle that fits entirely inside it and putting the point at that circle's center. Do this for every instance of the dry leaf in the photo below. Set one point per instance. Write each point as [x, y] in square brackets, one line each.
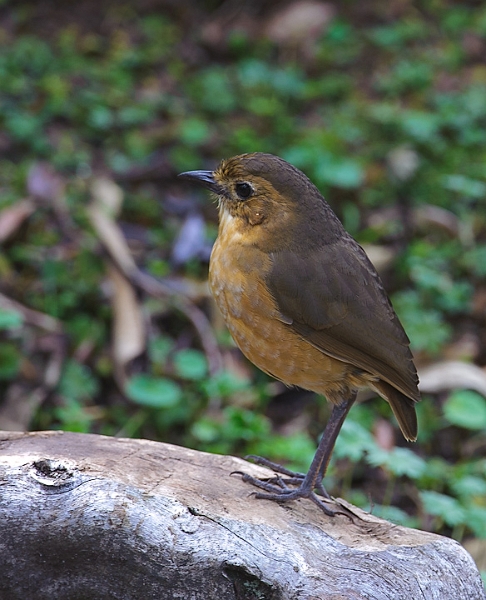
[300, 22]
[107, 196]
[44, 183]
[384, 433]
[115, 243]
[450, 375]
[32, 317]
[381, 256]
[428, 214]
[112, 238]
[23, 397]
[19, 404]
[477, 549]
[128, 327]
[403, 162]
[47, 188]
[12, 217]
[191, 240]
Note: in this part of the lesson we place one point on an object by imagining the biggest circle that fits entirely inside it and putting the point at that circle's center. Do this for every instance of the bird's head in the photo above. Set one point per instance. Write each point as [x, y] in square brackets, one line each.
[264, 191]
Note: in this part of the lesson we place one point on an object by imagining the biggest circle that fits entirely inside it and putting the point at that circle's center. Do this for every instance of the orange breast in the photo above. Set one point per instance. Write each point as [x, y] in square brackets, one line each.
[236, 278]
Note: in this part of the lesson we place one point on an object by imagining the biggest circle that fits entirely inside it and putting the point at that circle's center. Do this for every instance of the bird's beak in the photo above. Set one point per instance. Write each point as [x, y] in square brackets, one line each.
[205, 178]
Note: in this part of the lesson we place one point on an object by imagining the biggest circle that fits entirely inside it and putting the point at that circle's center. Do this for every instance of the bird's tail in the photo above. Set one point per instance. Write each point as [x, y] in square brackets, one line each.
[403, 408]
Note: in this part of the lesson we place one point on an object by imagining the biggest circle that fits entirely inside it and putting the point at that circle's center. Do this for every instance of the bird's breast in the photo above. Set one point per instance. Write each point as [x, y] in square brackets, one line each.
[237, 274]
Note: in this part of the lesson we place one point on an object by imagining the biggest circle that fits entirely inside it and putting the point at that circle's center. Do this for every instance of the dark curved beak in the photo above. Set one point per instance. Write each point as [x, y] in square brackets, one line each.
[205, 178]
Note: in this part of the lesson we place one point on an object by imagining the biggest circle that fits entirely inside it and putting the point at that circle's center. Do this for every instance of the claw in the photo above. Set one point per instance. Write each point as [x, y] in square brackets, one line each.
[264, 462]
[292, 477]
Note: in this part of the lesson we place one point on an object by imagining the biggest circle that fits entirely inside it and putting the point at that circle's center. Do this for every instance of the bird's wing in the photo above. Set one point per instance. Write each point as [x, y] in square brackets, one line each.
[333, 298]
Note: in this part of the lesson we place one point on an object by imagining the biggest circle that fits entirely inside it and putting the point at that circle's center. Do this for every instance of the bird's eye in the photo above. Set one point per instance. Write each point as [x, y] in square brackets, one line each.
[244, 190]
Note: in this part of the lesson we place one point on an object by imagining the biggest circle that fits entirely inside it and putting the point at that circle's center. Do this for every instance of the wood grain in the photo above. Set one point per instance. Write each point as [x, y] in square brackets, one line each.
[91, 517]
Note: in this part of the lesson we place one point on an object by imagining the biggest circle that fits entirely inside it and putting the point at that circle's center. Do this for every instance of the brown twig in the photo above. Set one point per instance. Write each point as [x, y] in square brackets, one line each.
[115, 244]
[158, 289]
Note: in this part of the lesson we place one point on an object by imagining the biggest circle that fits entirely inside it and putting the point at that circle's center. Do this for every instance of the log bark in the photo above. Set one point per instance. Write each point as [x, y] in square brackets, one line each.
[91, 517]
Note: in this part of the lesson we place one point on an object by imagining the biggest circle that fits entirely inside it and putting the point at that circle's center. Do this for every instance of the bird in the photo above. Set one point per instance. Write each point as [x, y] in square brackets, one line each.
[304, 303]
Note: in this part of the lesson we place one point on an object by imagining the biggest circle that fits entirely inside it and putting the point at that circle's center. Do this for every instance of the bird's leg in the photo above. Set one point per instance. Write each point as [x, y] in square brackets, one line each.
[277, 488]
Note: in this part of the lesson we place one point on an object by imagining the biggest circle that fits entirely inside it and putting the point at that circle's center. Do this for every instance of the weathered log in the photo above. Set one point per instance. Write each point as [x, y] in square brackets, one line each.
[91, 517]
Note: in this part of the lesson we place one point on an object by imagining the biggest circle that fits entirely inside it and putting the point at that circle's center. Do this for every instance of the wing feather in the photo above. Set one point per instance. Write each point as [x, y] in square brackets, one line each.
[334, 298]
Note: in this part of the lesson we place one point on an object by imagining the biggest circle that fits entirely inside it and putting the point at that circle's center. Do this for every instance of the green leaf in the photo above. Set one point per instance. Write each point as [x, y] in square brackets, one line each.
[243, 424]
[10, 319]
[448, 509]
[191, 364]
[399, 461]
[438, 470]
[101, 117]
[425, 326]
[421, 125]
[466, 408]
[469, 486]
[475, 260]
[464, 185]
[214, 90]
[295, 450]
[194, 132]
[77, 381]
[155, 392]
[74, 417]
[224, 384]
[9, 361]
[353, 441]
[205, 430]
[476, 520]
[159, 349]
[341, 172]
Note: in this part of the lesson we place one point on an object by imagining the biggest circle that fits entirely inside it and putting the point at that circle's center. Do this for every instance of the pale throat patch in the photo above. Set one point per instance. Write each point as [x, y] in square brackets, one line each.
[229, 226]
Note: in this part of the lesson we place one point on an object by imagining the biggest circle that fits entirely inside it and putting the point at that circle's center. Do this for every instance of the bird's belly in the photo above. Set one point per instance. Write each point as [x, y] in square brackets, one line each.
[236, 279]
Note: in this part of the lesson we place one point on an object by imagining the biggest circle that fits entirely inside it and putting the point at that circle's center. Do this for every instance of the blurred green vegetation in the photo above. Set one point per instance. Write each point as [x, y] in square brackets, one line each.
[384, 110]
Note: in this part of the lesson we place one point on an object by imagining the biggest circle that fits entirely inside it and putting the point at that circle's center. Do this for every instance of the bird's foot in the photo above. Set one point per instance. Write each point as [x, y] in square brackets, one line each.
[279, 488]
[291, 477]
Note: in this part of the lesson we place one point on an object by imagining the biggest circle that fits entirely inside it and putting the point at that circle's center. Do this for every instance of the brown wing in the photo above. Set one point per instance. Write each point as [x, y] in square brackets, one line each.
[333, 297]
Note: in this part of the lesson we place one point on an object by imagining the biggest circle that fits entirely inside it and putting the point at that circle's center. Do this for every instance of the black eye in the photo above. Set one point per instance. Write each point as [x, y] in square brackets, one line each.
[244, 190]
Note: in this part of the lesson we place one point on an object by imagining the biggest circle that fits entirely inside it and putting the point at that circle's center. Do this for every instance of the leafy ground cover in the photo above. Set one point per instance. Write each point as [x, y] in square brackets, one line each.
[105, 320]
